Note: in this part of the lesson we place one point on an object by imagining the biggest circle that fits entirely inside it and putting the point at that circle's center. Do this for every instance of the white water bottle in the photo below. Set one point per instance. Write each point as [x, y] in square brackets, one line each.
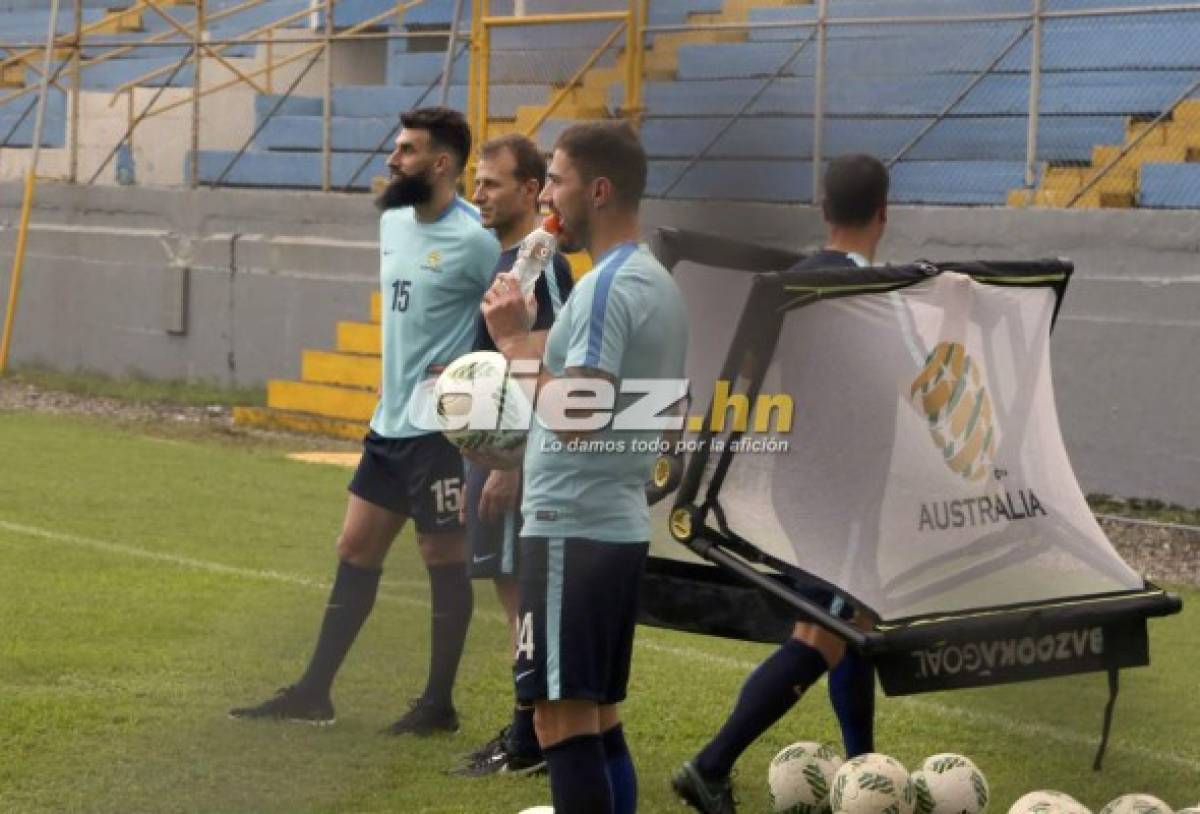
[535, 254]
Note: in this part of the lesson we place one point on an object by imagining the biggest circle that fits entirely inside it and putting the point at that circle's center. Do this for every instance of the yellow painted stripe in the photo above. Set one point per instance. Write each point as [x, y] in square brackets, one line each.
[327, 400]
[345, 369]
[358, 337]
[267, 418]
[348, 460]
[376, 307]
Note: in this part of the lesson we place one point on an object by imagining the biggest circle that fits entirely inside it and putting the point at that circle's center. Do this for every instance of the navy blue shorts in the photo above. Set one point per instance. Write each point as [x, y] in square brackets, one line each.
[578, 611]
[419, 477]
[492, 549]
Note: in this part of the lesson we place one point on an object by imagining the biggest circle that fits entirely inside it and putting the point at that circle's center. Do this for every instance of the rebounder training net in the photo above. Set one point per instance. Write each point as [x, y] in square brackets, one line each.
[890, 435]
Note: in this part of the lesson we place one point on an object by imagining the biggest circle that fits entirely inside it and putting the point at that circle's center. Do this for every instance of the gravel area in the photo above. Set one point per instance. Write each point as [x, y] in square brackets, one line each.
[25, 397]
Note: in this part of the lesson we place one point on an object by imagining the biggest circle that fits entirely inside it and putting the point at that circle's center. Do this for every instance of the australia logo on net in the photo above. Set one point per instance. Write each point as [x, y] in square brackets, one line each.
[575, 405]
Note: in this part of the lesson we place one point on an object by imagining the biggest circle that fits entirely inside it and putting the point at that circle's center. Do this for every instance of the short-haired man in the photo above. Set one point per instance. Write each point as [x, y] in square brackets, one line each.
[436, 261]
[855, 210]
[587, 524]
[508, 182]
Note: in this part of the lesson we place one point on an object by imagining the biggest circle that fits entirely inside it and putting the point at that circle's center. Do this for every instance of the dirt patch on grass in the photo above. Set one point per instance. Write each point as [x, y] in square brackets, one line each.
[164, 419]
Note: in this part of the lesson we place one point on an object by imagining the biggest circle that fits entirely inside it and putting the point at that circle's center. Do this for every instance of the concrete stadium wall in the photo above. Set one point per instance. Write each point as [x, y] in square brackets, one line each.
[230, 286]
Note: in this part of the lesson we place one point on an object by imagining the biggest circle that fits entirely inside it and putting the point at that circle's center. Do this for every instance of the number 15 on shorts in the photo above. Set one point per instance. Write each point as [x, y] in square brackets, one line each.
[447, 493]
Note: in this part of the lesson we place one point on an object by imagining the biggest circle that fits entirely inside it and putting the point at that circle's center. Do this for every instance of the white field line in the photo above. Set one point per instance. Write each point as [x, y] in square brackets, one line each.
[999, 723]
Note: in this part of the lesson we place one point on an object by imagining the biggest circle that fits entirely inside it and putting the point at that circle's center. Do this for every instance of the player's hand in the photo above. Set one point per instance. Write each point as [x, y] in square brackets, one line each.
[499, 494]
[488, 460]
[504, 309]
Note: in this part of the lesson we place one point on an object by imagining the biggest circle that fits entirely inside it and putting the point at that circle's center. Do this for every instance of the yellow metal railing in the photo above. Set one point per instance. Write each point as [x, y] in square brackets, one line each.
[631, 22]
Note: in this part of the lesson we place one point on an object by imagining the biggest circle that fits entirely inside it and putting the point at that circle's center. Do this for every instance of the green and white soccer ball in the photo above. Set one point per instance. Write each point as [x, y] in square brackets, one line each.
[950, 784]
[480, 407]
[872, 784]
[1136, 804]
[1048, 802]
[800, 776]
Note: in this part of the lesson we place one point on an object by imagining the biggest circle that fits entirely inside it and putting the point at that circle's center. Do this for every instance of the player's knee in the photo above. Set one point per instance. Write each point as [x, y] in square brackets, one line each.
[359, 550]
[442, 549]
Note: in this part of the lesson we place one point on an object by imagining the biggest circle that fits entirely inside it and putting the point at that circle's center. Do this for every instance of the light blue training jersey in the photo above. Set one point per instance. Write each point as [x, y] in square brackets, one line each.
[627, 319]
[433, 277]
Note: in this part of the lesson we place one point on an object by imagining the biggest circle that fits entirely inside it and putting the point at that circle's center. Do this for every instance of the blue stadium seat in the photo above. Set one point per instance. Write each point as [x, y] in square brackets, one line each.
[982, 183]
[298, 170]
[970, 139]
[1170, 186]
[359, 134]
[54, 130]
[1075, 93]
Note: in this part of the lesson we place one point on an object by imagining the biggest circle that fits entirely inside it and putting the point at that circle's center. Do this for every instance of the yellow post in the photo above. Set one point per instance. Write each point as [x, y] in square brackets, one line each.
[473, 90]
[641, 14]
[14, 284]
[485, 56]
[632, 32]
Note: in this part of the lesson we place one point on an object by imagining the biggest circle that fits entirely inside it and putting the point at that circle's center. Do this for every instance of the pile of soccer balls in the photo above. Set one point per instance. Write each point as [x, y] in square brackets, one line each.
[811, 778]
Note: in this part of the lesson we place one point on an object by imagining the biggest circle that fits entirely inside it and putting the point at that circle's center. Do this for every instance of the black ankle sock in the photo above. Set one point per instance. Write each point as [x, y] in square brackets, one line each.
[452, 602]
[770, 691]
[579, 776]
[350, 604]
[522, 739]
[852, 694]
[622, 776]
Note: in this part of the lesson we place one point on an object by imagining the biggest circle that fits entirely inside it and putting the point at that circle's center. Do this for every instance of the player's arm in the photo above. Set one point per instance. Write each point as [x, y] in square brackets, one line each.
[500, 490]
[593, 359]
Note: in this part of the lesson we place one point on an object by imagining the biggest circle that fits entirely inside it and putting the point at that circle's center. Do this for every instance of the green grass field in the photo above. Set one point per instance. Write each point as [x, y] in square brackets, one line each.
[147, 583]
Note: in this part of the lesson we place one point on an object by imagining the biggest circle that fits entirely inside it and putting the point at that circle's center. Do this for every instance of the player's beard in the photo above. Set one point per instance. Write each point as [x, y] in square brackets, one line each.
[575, 235]
[405, 190]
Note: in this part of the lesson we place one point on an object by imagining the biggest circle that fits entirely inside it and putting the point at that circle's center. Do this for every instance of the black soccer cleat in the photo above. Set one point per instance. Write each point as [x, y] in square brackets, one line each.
[501, 759]
[424, 719]
[706, 796]
[290, 704]
[488, 749]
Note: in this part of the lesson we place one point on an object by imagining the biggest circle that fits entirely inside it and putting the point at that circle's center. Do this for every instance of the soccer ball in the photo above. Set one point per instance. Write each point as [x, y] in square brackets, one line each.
[537, 810]
[799, 778]
[1136, 804]
[872, 784]
[950, 784]
[1048, 802]
[480, 407]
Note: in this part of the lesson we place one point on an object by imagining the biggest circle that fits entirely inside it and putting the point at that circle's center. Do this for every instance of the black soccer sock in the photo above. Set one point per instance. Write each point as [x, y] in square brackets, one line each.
[452, 602]
[622, 776]
[350, 604]
[852, 694]
[579, 776]
[771, 690]
[522, 738]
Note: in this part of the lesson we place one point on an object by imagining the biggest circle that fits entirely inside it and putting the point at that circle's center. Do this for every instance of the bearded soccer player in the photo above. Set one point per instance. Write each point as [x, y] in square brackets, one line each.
[855, 210]
[587, 523]
[508, 181]
[436, 262]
